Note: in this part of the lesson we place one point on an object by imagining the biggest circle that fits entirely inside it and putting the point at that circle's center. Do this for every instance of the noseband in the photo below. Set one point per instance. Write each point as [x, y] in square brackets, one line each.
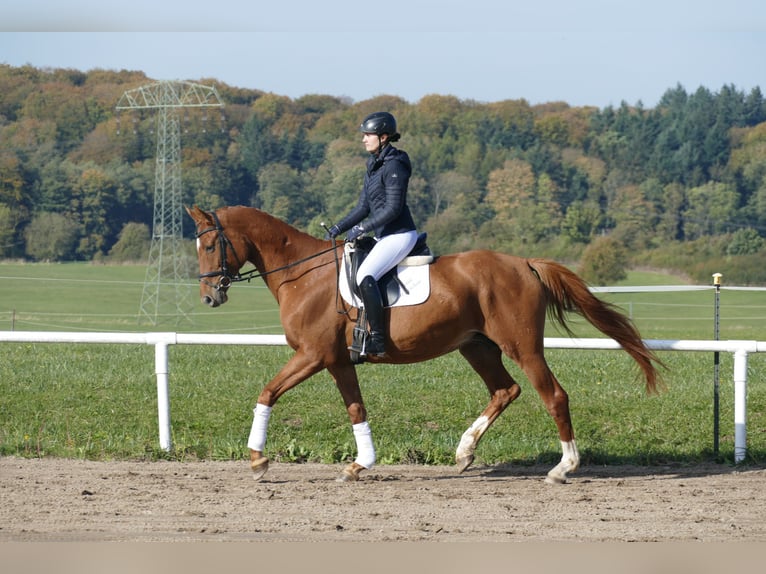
[226, 278]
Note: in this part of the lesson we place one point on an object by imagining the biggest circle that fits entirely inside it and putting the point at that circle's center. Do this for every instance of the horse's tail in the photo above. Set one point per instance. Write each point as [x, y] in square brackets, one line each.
[567, 292]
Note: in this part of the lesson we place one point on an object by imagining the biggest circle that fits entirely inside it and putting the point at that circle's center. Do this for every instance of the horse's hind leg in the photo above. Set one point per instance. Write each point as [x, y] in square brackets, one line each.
[556, 401]
[486, 359]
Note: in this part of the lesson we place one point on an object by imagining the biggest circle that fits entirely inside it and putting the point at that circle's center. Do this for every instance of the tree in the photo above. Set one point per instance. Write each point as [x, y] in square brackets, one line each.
[51, 237]
[552, 128]
[94, 204]
[436, 114]
[747, 164]
[12, 181]
[581, 222]
[133, 244]
[7, 230]
[446, 187]
[456, 227]
[338, 181]
[14, 194]
[745, 242]
[524, 205]
[711, 210]
[544, 211]
[604, 261]
[259, 147]
[510, 187]
[634, 217]
[669, 224]
[507, 124]
[755, 210]
[283, 194]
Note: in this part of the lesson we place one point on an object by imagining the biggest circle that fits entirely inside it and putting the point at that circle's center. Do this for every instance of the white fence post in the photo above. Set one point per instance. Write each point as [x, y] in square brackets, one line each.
[163, 394]
[161, 370]
[740, 405]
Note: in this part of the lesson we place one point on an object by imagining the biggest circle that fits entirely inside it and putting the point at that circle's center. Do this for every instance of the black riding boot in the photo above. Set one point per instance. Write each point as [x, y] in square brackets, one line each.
[373, 307]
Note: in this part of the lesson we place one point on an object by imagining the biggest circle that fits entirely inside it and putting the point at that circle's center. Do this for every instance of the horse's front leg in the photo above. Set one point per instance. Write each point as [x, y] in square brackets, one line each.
[348, 385]
[256, 442]
[299, 368]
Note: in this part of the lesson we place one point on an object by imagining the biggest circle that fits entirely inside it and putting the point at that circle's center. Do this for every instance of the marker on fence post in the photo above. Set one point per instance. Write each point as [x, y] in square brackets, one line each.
[716, 362]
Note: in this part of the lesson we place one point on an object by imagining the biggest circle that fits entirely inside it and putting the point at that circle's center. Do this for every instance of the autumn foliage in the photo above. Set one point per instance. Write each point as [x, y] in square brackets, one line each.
[536, 180]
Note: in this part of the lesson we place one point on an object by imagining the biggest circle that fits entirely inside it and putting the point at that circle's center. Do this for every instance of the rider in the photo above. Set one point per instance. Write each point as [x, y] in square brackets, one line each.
[382, 209]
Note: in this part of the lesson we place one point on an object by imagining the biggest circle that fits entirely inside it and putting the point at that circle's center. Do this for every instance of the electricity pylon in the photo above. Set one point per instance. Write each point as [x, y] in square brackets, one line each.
[167, 285]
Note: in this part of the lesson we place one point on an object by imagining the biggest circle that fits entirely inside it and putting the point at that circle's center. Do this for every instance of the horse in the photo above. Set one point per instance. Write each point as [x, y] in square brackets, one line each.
[483, 304]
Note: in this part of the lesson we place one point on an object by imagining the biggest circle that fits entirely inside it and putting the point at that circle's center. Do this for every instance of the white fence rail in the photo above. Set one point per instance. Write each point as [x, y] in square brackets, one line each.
[740, 350]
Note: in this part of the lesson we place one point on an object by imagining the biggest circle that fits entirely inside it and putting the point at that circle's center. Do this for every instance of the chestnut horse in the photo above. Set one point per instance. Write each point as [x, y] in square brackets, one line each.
[482, 303]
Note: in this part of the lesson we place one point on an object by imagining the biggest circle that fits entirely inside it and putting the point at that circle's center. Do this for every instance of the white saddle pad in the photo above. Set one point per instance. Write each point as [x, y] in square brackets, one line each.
[416, 279]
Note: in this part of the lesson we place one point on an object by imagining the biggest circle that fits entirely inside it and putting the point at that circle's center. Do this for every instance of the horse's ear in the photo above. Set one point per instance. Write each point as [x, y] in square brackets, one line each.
[199, 216]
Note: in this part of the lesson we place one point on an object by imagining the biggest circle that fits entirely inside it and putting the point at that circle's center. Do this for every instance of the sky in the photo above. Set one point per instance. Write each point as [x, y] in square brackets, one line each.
[582, 52]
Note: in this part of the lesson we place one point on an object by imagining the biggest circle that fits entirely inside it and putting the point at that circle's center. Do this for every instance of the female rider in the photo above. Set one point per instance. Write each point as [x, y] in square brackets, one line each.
[382, 209]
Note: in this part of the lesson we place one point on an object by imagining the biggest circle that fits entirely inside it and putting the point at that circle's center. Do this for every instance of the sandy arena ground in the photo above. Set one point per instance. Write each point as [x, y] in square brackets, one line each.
[54, 500]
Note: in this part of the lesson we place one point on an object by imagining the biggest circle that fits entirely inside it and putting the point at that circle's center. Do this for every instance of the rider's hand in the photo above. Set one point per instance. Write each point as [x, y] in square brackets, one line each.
[333, 232]
[354, 232]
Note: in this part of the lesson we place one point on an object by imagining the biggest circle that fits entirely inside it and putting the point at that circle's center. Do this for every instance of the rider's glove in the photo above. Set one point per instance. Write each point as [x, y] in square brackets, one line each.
[333, 232]
[354, 232]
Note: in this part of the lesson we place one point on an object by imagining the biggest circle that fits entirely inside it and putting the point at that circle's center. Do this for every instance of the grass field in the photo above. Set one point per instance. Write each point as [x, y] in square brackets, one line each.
[99, 401]
[84, 297]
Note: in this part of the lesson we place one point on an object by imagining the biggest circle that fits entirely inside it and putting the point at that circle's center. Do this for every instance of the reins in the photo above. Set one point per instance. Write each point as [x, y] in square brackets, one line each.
[255, 274]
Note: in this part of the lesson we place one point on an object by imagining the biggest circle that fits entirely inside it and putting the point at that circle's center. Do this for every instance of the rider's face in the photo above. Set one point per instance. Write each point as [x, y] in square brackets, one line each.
[372, 142]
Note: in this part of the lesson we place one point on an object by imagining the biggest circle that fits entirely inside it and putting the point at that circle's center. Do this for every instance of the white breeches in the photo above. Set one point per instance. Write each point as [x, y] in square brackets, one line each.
[387, 253]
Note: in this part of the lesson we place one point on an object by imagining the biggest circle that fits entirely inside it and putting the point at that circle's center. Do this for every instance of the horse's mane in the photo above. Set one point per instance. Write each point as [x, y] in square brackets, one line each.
[271, 222]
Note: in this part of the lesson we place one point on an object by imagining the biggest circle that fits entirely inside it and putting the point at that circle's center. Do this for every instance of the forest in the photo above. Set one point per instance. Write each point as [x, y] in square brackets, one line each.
[679, 187]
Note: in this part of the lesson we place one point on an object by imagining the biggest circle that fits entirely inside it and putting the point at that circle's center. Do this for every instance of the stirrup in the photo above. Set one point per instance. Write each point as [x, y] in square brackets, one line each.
[358, 339]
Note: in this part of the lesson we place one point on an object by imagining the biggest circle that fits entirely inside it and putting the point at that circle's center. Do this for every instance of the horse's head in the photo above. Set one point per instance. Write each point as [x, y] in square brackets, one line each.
[219, 264]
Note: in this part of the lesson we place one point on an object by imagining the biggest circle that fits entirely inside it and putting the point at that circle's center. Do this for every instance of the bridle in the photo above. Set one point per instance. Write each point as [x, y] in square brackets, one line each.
[226, 278]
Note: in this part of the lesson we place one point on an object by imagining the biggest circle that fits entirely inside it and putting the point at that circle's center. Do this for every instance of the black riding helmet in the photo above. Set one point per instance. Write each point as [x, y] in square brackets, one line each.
[380, 123]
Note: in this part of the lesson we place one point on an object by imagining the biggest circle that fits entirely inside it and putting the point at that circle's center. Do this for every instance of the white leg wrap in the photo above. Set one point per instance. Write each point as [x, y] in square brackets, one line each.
[471, 437]
[570, 456]
[570, 461]
[364, 447]
[257, 439]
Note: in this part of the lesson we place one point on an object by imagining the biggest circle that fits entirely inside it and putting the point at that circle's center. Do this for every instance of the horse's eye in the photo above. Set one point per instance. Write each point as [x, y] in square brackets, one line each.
[210, 248]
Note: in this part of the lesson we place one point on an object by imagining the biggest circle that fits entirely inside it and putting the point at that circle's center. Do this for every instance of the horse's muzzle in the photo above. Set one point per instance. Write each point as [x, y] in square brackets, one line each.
[215, 298]
[214, 295]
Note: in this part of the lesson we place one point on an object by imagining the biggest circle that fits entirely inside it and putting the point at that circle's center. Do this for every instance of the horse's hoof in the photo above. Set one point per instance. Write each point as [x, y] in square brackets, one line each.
[555, 479]
[350, 473]
[259, 466]
[347, 476]
[464, 462]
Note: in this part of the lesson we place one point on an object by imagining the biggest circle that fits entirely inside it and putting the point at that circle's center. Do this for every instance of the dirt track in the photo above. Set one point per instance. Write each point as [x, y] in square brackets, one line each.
[83, 501]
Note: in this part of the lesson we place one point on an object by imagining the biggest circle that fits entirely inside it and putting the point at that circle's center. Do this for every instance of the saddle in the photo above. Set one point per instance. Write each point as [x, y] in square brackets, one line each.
[414, 273]
[391, 287]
